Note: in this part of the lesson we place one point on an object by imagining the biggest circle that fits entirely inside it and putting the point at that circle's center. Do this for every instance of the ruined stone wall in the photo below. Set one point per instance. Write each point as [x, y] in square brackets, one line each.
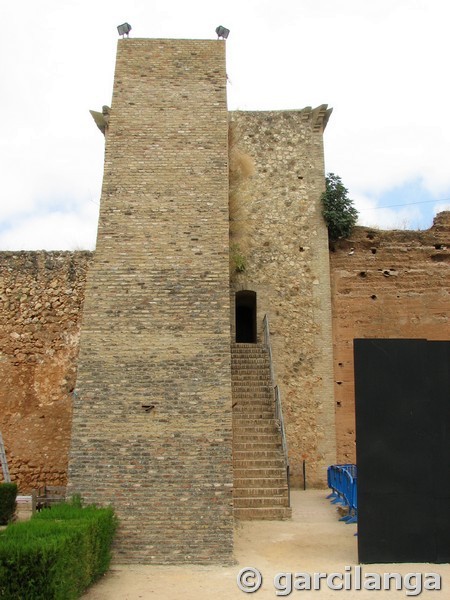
[286, 246]
[41, 299]
[152, 429]
[385, 284]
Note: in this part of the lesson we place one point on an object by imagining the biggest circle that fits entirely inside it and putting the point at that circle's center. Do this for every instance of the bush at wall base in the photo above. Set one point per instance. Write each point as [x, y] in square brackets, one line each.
[8, 493]
[57, 554]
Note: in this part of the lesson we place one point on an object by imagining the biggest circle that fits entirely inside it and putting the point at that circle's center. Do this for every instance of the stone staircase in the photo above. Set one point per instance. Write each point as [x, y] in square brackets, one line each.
[260, 488]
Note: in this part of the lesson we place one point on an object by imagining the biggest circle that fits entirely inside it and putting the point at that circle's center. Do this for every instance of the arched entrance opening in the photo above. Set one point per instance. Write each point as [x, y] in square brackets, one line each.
[246, 317]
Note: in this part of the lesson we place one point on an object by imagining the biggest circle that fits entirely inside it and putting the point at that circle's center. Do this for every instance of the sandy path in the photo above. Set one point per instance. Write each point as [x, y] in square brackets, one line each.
[313, 541]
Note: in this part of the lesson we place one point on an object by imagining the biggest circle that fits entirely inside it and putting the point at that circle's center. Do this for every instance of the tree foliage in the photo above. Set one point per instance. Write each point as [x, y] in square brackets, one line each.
[338, 211]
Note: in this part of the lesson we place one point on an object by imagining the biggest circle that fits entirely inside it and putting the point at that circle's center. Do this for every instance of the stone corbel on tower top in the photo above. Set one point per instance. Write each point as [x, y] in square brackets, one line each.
[102, 118]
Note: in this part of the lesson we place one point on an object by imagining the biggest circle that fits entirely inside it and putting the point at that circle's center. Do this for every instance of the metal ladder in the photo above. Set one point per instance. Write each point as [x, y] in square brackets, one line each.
[5, 469]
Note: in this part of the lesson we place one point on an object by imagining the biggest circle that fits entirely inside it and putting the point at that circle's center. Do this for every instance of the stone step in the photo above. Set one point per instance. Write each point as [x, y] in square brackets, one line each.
[247, 427]
[263, 399]
[257, 381]
[248, 391]
[272, 453]
[273, 483]
[252, 402]
[256, 438]
[255, 412]
[260, 492]
[256, 446]
[242, 420]
[258, 463]
[250, 399]
[240, 411]
[242, 404]
[252, 391]
[258, 472]
[252, 429]
[280, 513]
[250, 369]
[256, 384]
[255, 502]
[249, 353]
[241, 362]
[241, 349]
[249, 405]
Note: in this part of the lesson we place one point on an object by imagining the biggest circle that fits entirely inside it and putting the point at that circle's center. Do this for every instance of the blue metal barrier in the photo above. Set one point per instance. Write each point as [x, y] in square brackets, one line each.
[342, 480]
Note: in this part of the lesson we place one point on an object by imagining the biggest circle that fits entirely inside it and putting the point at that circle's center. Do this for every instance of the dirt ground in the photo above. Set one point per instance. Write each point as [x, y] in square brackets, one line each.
[314, 541]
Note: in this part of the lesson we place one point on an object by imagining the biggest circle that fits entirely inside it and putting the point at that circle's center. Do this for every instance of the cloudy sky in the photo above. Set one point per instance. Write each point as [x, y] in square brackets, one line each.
[381, 64]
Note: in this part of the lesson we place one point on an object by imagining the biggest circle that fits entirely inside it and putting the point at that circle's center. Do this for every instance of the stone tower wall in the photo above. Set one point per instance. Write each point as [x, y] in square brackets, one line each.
[285, 242]
[152, 411]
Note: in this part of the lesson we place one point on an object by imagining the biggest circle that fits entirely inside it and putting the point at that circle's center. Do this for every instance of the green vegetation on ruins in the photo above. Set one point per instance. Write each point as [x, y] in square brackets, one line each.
[337, 208]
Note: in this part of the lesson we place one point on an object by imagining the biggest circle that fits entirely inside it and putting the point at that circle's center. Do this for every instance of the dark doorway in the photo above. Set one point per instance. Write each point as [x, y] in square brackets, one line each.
[246, 317]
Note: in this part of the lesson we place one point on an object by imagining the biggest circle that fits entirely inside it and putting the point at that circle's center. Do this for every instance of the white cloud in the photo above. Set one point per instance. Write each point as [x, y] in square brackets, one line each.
[380, 65]
[53, 231]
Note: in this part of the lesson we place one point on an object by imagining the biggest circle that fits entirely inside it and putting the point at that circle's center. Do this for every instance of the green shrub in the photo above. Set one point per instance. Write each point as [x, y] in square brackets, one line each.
[337, 208]
[57, 554]
[8, 493]
[100, 525]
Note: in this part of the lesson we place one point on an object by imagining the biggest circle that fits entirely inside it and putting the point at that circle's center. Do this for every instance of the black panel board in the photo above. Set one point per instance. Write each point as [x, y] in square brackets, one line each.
[402, 390]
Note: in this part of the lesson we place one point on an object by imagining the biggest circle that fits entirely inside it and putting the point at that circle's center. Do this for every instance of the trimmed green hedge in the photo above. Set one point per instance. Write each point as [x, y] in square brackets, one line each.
[57, 554]
[8, 493]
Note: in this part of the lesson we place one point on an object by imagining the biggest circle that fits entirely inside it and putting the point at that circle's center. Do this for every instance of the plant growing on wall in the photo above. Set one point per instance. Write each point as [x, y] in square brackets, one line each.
[337, 208]
[238, 260]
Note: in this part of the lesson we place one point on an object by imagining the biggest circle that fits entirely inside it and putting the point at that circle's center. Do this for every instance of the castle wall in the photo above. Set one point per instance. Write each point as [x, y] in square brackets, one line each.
[385, 284]
[152, 410]
[41, 299]
[285, 242]
[41, 303]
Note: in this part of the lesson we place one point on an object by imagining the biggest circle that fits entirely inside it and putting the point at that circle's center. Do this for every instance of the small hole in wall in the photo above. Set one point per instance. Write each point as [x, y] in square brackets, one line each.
[338, 403]
[373, 296]
[299, 176]
[363, 274]
[148, 407]
[341, 364]
[373, 250]
[339, 382]
[301, 249]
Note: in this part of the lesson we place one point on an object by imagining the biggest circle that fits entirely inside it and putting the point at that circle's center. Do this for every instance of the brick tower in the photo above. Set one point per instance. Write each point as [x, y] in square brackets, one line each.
[152, 427]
